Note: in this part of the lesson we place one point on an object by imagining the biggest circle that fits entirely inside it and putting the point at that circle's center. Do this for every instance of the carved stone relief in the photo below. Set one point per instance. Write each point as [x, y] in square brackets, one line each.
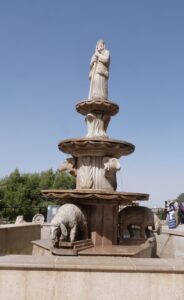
[97, 125]
[97, 173]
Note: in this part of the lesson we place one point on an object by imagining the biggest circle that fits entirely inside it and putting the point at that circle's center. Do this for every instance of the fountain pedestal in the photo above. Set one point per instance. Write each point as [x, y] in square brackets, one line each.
[104, 225]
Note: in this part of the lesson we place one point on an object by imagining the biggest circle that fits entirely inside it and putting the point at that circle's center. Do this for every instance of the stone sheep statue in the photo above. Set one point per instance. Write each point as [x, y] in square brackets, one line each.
[112, 165]
[20, 220]
[140, 216]
[68, 225]
[69, 165]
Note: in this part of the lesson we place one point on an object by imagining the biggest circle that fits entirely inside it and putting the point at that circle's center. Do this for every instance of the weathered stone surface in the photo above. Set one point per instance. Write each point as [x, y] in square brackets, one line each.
[69, 224]
[97, 173]
[69, 165]
[99, 278]
[138, 215]
[38, 219]
[94, 159]
[45, 247]
[91, 196]
[99, 72]
[20, 220]
[142, 249]
[97, 125]
[16, 239]
[97, 106]
[96, 147]
[171, 242]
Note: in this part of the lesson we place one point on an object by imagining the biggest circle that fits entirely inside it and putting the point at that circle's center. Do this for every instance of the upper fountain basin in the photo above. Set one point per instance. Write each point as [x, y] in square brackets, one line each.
[97, 106]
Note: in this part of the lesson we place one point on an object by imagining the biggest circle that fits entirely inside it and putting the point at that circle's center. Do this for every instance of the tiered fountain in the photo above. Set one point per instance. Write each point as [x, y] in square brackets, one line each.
[95, 161]
[89, 275]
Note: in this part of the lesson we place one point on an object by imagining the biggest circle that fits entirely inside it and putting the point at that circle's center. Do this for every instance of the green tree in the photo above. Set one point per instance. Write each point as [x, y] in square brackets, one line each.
[180, 198]
[46, 179]
[21, 193]
[64, 180]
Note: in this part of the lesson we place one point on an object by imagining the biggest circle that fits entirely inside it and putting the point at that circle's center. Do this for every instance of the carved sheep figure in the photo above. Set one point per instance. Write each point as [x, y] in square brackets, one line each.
[140, 216]
[68, 224]
[69, 165]
[112, 165]
[20, 220]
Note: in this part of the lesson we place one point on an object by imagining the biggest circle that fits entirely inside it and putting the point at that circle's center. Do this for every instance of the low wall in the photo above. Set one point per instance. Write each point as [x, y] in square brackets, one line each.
[16, 239]
[55, 278]
[170, 243]
[45, 231]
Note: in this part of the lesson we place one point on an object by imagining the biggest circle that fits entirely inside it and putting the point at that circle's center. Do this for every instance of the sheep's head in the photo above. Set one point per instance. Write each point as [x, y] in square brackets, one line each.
[69, 166]
[111, 165]
[55, 233]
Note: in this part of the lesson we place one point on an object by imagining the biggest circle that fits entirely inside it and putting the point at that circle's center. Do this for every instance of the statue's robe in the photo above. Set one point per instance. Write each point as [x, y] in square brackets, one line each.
[99, 74]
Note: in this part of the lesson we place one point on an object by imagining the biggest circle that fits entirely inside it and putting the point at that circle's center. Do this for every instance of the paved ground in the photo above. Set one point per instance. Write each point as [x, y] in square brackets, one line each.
[180, 227]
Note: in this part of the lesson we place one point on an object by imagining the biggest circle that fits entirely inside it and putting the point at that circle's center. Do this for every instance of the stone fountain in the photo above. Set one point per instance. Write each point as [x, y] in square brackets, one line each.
[94, 161]
[89, 275]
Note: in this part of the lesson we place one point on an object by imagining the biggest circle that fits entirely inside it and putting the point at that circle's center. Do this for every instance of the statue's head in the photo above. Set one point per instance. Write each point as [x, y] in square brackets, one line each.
[100, 45]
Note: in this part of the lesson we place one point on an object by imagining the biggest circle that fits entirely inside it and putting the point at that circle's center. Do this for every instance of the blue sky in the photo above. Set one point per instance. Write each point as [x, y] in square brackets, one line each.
[45, 52]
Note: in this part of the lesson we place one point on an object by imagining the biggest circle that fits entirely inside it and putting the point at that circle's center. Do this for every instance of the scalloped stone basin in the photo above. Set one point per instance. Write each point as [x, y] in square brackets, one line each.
[94, 196]
[96, 147]
[97, 106]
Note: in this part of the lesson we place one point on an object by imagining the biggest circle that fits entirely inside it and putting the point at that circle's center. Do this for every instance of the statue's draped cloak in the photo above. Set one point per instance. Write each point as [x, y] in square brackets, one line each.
[99, 74]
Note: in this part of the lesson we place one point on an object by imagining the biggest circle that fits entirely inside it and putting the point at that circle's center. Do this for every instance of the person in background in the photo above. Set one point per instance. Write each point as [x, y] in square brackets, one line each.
[171, 216]
[181, 213]
[176, 207]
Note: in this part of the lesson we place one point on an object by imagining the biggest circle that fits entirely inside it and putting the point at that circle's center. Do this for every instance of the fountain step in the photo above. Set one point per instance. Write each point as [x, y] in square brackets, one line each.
[44, 247]
[142, 248]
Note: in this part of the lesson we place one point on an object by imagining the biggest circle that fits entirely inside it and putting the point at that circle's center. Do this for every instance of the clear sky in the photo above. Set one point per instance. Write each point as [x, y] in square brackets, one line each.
[45, 52]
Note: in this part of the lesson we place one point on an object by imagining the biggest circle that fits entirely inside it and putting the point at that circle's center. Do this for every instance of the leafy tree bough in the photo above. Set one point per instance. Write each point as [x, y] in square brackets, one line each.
[20, 194]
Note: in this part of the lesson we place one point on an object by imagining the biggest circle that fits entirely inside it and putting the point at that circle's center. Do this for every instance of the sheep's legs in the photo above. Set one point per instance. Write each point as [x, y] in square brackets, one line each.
[73, 232]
